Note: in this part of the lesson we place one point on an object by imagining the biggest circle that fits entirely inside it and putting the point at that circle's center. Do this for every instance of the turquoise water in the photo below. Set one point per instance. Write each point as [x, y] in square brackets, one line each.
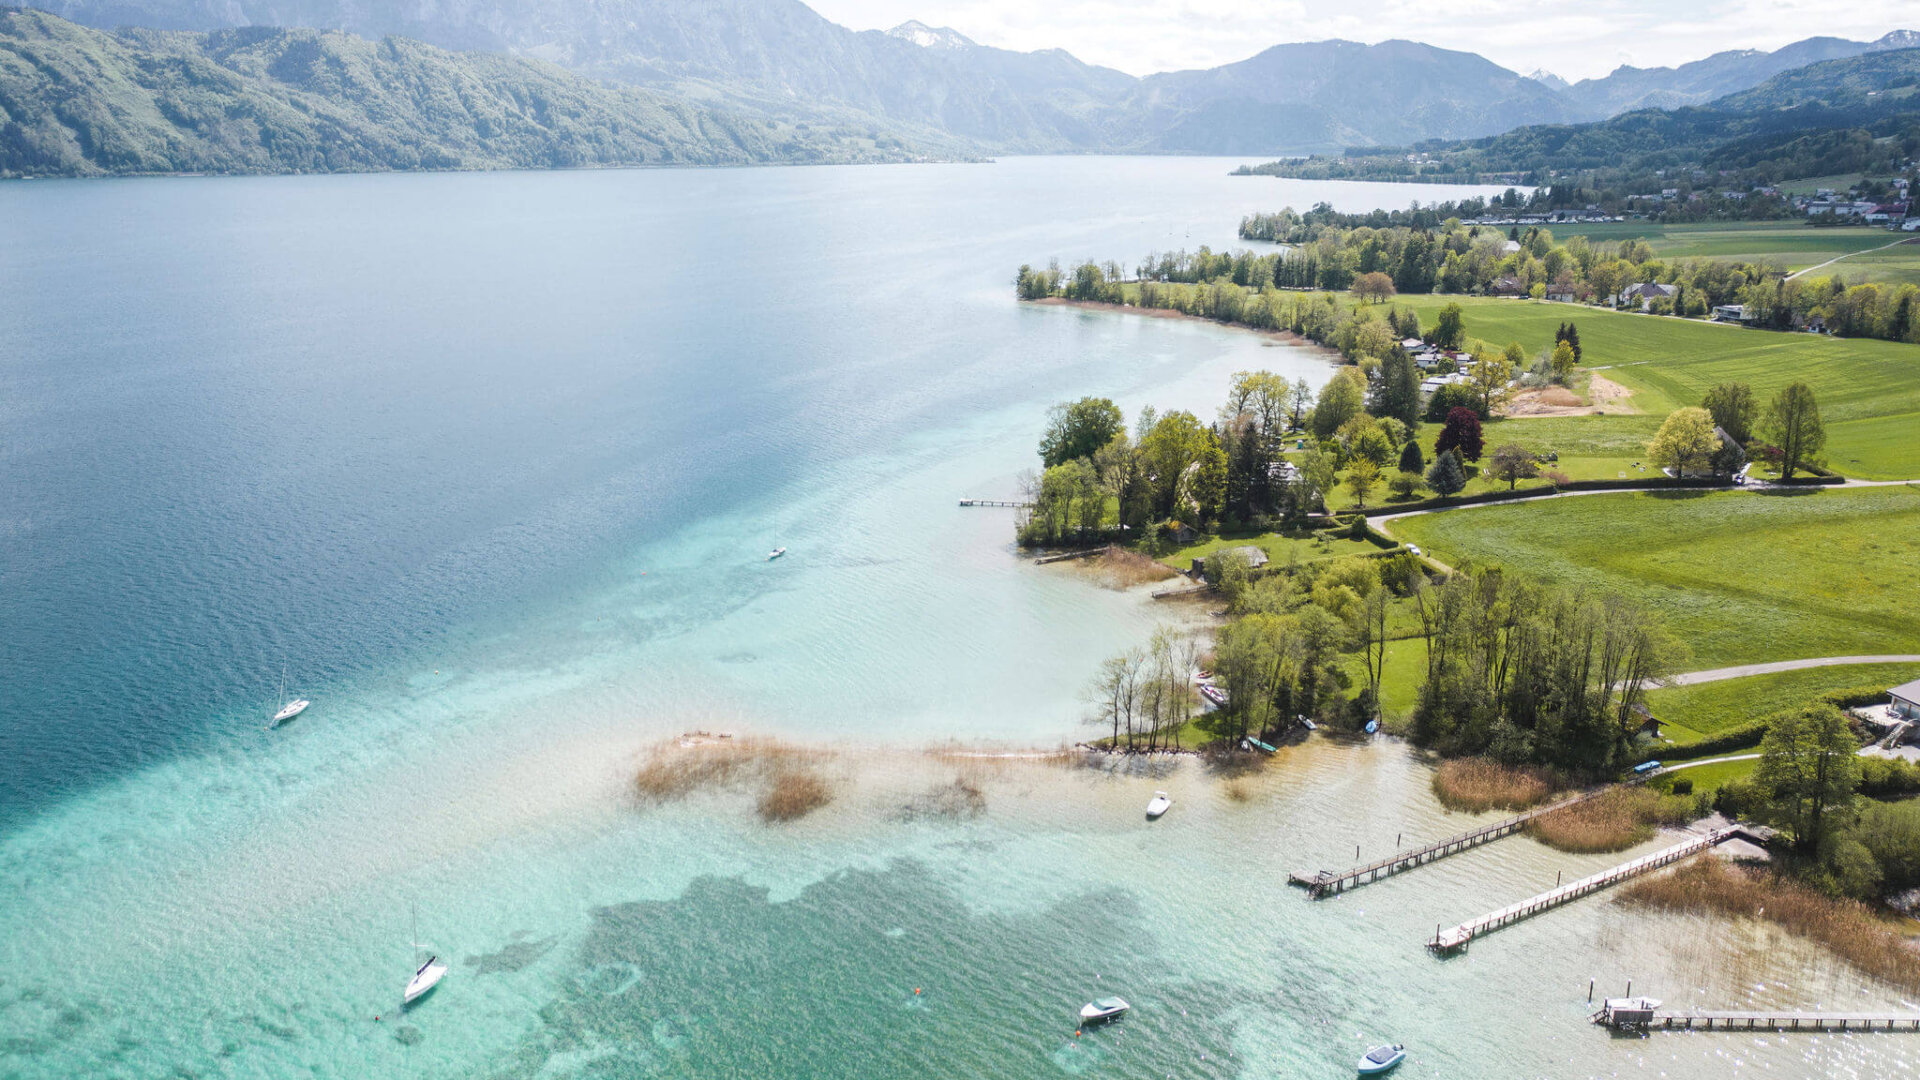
[489, 465]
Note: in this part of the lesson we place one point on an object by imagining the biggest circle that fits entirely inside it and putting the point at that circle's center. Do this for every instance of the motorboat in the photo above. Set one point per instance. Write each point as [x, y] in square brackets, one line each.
[775, 553]
[425, 979]
[1159, 804]
[1214, 694]
[290, 710]
[1308, 724]
[1094, 1012]
[1382, 1059]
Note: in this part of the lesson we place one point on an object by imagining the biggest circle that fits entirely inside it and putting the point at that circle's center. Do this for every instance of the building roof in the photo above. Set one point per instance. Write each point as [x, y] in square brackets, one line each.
[1909, 692]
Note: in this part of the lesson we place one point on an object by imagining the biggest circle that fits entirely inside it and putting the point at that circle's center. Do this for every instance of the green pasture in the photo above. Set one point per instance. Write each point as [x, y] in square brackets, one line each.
[1791, 244]
[1692, 712]
[1715, 776]
[1869, 391]
[1739, 577]
[1280, 547]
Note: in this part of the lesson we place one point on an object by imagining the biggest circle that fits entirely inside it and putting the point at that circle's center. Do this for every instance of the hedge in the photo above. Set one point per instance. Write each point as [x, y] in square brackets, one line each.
[1651, 484]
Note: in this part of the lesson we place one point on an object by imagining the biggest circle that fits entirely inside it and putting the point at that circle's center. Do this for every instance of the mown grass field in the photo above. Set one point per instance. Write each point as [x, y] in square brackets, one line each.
[1793, 244]
[1739, 577]
[1281, 549]
[1692, 712]
[1869, 391]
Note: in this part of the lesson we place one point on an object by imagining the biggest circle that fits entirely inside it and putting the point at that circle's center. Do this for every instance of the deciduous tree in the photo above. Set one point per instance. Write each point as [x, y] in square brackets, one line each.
[1808, 769]
[1514, 463]
[1733, 408]
[1078, 429]
[1793, 424]
[1685, 442]
[1461, 434]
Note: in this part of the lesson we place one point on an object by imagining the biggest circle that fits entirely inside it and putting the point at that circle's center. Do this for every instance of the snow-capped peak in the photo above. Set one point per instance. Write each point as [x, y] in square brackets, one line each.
[1898, 39]
[1542, 75]
[928, 37]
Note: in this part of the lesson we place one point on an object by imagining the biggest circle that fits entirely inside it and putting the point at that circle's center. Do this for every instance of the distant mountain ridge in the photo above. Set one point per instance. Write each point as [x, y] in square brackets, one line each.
[81, 102]
[1629, 88]
[936, 89]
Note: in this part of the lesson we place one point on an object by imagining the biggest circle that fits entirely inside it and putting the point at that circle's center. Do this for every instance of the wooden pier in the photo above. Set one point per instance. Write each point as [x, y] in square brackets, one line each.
[1635, 1019]
[997, 502]
[1322, 883]
[1068, 556]
[1459, 937]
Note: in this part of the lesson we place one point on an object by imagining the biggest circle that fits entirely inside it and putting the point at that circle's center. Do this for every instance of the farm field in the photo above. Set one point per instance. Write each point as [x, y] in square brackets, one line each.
[1869, 391]
[1691, 712]
[1792, 244]
[1738, 577]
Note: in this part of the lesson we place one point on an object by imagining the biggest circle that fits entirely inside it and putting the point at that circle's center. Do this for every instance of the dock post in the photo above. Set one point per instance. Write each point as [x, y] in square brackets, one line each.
[1556, 878]
[1589, 991]
[1629, 987]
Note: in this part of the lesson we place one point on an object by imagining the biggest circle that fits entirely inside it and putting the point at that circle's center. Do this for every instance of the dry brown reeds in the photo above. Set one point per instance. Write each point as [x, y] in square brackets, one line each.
[1846, 927]
[1236, 791]
[1614, 821]
[791, 786]
[1123, 569]
[1475, 785]
[793, 794]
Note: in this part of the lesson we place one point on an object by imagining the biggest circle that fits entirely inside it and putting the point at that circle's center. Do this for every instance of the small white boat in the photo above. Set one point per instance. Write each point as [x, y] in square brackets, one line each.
[291, 710]
[775, 553]
[1382, 1059]
[1214, 694]
[1159, 804]
[425, 979]
[1106, 1008]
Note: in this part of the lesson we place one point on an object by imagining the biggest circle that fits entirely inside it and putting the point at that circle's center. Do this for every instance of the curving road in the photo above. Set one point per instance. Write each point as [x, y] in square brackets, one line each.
[1743, 670]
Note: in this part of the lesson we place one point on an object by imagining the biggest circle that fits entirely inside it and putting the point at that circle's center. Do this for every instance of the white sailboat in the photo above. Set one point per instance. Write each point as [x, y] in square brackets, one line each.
[427, 975]
[292, 708]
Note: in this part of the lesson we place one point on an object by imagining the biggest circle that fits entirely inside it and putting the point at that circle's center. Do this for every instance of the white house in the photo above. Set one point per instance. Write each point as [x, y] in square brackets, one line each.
[1646, 292]
[1904, 700]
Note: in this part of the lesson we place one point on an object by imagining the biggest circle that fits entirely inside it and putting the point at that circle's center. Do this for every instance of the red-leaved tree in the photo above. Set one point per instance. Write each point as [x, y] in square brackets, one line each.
[1461, 435]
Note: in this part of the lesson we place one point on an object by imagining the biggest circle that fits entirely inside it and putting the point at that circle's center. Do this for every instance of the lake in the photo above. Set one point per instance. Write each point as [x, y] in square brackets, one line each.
[488, 467]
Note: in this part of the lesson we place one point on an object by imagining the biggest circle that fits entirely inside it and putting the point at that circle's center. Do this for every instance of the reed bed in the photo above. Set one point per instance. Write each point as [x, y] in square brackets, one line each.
[1236, 791]
[793, 794]
[1614, 821]
[1476, 785]
[1119, 568]
[1847, 928]
[788, 777]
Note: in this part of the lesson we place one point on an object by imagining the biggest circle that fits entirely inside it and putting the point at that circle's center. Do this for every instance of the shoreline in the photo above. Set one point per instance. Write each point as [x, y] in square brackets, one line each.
[1287, 336]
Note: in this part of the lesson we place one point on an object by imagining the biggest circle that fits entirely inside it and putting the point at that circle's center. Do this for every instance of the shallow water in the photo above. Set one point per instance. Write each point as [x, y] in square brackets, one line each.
[489, 466]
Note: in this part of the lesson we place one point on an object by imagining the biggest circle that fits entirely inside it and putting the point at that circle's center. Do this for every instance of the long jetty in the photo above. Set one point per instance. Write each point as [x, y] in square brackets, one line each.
[997, 502]
[1322, 883]
[1459, 937]
[1631, 1016]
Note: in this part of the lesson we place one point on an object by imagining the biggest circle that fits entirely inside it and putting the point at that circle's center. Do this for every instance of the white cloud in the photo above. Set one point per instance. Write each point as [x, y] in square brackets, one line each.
[1575, 40]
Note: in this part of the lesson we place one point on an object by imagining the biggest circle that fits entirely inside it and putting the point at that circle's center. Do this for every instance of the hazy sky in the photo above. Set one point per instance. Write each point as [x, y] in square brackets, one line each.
[1571, 38]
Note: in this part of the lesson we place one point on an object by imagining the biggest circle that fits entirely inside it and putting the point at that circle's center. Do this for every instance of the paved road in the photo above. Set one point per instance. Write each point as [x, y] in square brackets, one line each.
[1744, 670]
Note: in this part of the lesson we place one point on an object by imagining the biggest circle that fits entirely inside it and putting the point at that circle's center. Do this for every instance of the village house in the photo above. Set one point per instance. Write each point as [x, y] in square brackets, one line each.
[1646, 292]
[1904, 700]
[1208, 567]
[1734, 313]
[1506, 286]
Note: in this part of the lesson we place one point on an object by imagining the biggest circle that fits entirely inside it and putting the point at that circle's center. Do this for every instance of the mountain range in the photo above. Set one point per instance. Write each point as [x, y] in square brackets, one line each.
[934, 91]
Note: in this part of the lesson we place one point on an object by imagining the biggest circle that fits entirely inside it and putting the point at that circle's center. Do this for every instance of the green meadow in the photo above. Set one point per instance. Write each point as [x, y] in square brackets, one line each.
[1869, 391]
[1692, 712]
[1792, 245]
[1739, 577]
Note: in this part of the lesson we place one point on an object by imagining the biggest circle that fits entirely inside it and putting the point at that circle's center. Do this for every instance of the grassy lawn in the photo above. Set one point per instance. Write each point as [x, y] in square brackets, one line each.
[1869, 391]
[1893, 266]
[1791, 244]
[1711, 777]
[1691, 712]
[1741, 578]
[1279, 548]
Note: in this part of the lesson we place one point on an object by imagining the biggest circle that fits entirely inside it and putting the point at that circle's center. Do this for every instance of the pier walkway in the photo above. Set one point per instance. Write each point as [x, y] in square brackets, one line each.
[1459, 937]
[1322, 883]
[997, 502]
[1631, 1015]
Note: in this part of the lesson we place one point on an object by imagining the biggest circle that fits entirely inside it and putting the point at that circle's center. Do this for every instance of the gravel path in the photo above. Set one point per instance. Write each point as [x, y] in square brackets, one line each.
[1744, 670]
